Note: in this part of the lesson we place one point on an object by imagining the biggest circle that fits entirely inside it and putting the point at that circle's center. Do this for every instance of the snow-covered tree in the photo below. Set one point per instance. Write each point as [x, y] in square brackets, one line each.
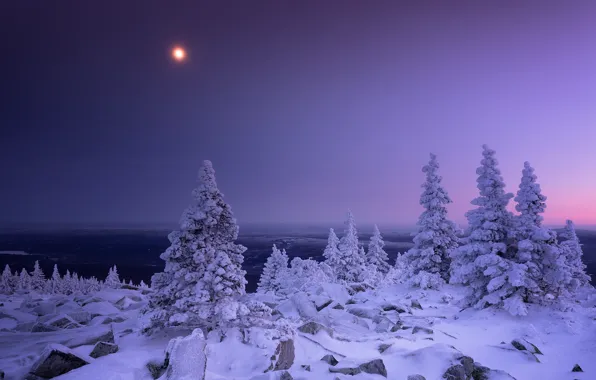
[24, 283]
[332, 254]
[8, 283]
[305, 273]
[143, 285]
[376, 254]
[38, 279]
[572, 251]
[351, 266]
[113, 279]
[274, 273]
[55, 282]
[536, 246]
[203, 276]
[483, 263]
[428, 261]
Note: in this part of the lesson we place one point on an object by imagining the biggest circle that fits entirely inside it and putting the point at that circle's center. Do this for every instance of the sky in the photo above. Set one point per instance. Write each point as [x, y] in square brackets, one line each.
[306, 108]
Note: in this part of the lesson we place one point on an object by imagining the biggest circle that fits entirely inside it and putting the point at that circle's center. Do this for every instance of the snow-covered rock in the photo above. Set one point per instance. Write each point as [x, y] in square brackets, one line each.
[56, 360]
[102, 349]
[187, 358]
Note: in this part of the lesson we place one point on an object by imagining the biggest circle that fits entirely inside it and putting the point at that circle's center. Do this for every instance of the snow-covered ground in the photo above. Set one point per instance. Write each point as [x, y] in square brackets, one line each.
[355, 329]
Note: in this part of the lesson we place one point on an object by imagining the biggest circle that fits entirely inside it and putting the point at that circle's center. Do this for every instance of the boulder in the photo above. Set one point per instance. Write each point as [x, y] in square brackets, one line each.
[383, 324]
[416, 377]
[305, 367]
[524, 345]
[339, 306]
[373, 367]
[399, 308]
[321, 305]
[383, 347]
[455, 372]
[25, 326]
[41, 327]
[60, 321]
[330, 359]
[186, 357]
[416, 304]
[363, 312]
[83, 317]
[313, 328]
[44, 308]
[286, 376]
[424, 330]
[284, 355]
[103, 349]
[87, 300]
[56, 360]
[91, 337]
[577, 368]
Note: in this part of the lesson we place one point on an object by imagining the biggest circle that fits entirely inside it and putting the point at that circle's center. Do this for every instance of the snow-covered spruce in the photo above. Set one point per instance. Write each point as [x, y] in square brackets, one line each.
[38, 279]
[203, 276]
[572, 252]
[376, 254]
[537, 250]
[113, 279]
[332, 254]
[274, 273]
[351, 265]
[483, 264]
[428, 262]
[305, 273]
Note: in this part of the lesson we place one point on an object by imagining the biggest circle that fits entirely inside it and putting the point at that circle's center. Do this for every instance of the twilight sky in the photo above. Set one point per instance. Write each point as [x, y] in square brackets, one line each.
[306, 108]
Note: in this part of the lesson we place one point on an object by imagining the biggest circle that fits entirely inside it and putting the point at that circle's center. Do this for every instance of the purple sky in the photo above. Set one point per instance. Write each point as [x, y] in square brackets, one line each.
[306, 108]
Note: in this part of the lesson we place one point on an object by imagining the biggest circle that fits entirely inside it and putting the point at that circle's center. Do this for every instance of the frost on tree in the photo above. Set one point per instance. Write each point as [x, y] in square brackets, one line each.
[274, 273]
[24, 283]
[572, 251]
[537, 250]
[203, 276]
[113, 279]
[38, 279]
[55, 285]
[428, 261]
[483, 263]
[332, 254]
[305, 273]
[351, 263]
[376, 255]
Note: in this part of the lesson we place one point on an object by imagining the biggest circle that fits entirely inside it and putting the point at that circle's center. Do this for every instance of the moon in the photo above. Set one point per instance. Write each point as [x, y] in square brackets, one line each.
[179, 54]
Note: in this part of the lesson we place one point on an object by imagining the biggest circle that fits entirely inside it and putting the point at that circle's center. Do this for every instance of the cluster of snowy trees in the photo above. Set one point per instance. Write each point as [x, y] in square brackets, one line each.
[70, 283]
[503, 259]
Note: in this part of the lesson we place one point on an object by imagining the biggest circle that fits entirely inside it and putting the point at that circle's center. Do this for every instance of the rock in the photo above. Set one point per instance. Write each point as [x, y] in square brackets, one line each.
[396, 327]
[56, 360]
[81, 317]
[351, 301]
[468, 364]
[313, 328]
[455, 372]
[346, 370]
[284, 353]
[577, 368]
[92, 337]
[25, 326]
[425, 330]
[524, 345]
[416, 377]
[330, 359]
[416, 304]
[286, 376]
[186, 357]
[126, 332]
[338, 307]
[45, 308]
[306, 308]
[60, 321]
[358, 288]
[383, 347]
[89, 300]
[374, 367]
[103, 349]
[156, 369]
[398, 308]
[364, 312]
[73, 325]
[323, 305]
[1, 374]
[383, 324]
[481, 372]
[40, 327]
[305, 367]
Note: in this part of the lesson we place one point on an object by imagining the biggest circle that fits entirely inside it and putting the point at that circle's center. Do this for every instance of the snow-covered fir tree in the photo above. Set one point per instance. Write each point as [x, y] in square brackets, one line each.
[143, 285]
[38, 279]
[24, 283]
[483, 263]
[332, 254]
[537, 255]
[55, 282]
[572, 251]
[274, 273]
[7, 281]
[203, 276]
[305, 273]
[428, 261]
[351, 265]
[113, 279]
[376, 254]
